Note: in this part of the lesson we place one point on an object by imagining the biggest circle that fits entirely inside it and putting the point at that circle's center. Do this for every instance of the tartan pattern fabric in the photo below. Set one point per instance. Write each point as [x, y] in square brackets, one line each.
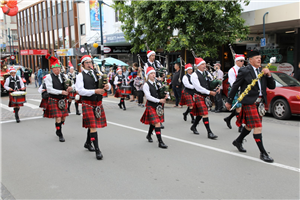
[53, 111]
[11, 104]
[199, 106]
[238, 105]
[118, 93]
[150, 116]
[88, 117]
[44, 104]
[249, 116]
[186, 99]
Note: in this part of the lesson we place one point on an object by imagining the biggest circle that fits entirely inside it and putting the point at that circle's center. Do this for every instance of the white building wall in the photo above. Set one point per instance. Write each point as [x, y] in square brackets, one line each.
[261, 4]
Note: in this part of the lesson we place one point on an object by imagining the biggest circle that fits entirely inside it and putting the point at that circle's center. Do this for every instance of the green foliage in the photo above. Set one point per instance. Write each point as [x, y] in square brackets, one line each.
[201, 25]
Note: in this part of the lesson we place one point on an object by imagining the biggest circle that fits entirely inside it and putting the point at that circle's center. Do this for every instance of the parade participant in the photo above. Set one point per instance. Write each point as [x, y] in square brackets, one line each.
[188, 92]
[218, 74]
[57, 103]
[45, 96]
[200, 81]
[153, 114]
[138, 84]
[118, 82]
[72, 76]
[14, 83]
[249, 114]
[232, 74]
[151, 62]
[176, 84]
[93, 115]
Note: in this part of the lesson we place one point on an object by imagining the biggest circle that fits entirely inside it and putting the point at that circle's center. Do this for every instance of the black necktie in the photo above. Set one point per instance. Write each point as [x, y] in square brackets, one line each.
[257, 70]
[91, 74]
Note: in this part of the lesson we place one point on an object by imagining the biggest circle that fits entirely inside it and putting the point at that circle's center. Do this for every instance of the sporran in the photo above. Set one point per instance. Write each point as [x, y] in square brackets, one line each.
[261, 109]
[159, 110]
[61, 104]
[97, 112]
[208, 102]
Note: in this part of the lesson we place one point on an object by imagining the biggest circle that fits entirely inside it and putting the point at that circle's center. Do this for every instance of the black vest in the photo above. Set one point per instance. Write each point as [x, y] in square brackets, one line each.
[188, 90]
[90, 83]
[203, 82]
[154, 65]
[13, 83]
[153, 93]
[121, 79]
[57, 85]
[71, 77]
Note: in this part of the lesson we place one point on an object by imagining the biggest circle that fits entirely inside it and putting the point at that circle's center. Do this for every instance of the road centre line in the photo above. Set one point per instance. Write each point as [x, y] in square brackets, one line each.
[187, 142]
[6, 107]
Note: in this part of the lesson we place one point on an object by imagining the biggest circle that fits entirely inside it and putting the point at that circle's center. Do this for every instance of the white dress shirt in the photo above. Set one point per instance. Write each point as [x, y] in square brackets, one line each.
[232, 74]
[196, 84]
[49, 84]
[186, 82]
[146, 66]
[259, 85]
[6, 84]
[40, 90]
[148, 94]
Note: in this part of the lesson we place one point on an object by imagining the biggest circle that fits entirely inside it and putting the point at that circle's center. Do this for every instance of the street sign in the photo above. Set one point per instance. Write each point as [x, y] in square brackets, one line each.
[262, 42]
[12, 57]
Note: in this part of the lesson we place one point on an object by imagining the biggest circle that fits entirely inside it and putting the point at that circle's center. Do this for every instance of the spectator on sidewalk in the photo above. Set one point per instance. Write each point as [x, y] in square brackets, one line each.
[176, 84]
[40, 76]
[138, 84]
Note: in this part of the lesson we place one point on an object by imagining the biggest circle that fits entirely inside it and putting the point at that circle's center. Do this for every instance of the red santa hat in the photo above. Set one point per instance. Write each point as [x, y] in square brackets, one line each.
[12, 69]
[84, 58]
[199, 61]
[53, 61]
[70, 64]
[188, 66]
[149, 53]
[239, 57]
[150, 70]
[119, 69]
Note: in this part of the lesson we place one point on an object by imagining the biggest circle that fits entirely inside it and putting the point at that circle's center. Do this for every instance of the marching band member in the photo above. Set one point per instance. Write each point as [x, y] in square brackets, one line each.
[14, 83]
[188, 92]
[232, 74]
[120, 80]
[249, 114]
[200, 81]
[72, 76]
[151, 62]
[154, 101]
[57, 103]
[45, 96]
[93, 115]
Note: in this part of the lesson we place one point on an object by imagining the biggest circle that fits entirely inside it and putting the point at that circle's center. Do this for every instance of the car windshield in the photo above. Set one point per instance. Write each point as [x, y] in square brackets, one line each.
[283, 79]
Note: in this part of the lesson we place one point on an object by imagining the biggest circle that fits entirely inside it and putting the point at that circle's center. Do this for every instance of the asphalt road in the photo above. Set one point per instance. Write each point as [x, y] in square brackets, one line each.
[35, 165]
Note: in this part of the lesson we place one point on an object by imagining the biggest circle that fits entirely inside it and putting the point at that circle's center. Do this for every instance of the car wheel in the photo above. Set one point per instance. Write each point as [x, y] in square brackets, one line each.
[281, 109]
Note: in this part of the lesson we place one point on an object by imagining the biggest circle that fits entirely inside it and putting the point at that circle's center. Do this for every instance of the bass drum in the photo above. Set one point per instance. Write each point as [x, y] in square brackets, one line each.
[125, 90]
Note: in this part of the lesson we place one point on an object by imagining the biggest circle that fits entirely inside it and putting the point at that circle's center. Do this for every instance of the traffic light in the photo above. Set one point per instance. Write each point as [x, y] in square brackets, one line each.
[225, 55]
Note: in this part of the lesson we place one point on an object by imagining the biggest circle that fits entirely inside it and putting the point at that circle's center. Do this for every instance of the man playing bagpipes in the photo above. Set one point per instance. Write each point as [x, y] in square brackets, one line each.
[154, 112]
[91, 86]
[58, 89]
[12, 84]
[72, 77]
[45, 96]
[200, 81]
[253, 104]
[151, 62]
[120, 80]
[188, 92]
[232, 74]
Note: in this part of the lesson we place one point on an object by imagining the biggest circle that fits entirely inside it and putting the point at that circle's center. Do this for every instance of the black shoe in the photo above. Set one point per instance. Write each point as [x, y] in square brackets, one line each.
[241, 128]
[69, 111]
[184, 116]
[89, 146]
[61, 138]
[124, 108]
[217, 111]
[239, 146]
[78, 113]
[227, 120]
[18, 120]
[265, 157]
[149, 138]
[193, 128]
[99, 155]
[211, 135]
[120, 106]
[162, 126]
[162, 145]
[192, 121]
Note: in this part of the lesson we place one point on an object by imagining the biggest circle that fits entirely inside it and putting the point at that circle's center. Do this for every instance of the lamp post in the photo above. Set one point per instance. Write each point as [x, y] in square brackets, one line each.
[264, 23]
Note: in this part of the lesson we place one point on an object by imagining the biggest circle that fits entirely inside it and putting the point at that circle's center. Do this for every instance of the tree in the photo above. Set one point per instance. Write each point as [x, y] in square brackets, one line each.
[200, 25]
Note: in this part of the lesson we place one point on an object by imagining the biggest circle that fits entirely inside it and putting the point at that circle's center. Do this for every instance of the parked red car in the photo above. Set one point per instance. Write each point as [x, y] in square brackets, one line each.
[283, 101]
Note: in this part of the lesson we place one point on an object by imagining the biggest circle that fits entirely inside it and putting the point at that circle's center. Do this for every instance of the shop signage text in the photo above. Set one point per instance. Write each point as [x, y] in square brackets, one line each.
[34, 52]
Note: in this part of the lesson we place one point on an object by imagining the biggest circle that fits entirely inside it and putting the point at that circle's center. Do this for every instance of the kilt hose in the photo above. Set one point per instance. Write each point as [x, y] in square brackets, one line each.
[11, 104]
[199, 107]
[88, 117]
[186, 99]
[44, 103]
[249, 116]
[150, 116]
[118, 93]
[53, 111]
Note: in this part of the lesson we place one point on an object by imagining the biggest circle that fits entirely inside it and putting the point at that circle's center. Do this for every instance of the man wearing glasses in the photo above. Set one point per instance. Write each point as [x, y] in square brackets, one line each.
[232, 74]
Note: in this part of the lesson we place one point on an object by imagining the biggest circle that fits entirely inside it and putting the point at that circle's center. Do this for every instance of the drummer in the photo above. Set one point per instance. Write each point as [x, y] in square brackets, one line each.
[57, 104]
[14, 83]
[72, 76]
[120, 80]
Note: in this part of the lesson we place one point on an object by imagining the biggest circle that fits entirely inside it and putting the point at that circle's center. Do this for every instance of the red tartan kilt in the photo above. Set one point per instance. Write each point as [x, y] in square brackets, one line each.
[44, 103]
[199, 106]
[249, 116]
[186, 99]
[118, 93]
[53, 111]
[11, 104]
[150, 116]
[71, 95]
[88, 118]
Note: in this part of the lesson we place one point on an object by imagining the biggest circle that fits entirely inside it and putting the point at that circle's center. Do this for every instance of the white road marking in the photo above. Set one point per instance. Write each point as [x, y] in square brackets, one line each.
[104, 100]
[6, 107]
[31, 105]
[186, 142]
[37, 100]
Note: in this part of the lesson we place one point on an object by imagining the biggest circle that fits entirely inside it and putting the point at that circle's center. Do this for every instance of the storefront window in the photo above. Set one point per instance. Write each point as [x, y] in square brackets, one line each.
[60, 37]
[65, 6]
[72, 37]
[70, 5]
